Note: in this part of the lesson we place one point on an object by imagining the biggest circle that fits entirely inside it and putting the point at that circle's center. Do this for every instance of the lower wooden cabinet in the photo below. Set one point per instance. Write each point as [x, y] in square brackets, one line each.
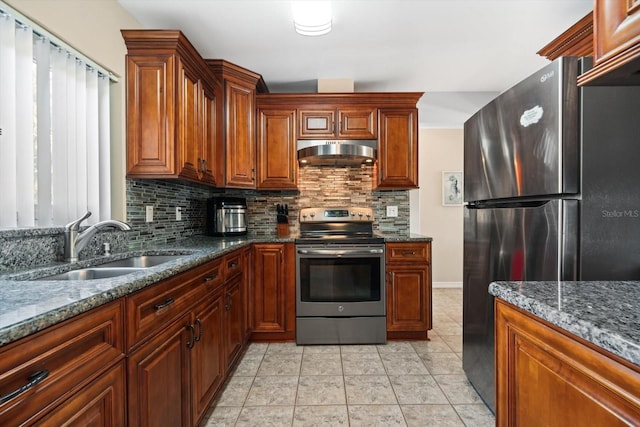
[548, 377]
[51, 374]
[158, 378]
[409, 307]
[174, 375]
[273, 292]
[207, 357]
[234, 329]
[101, 403]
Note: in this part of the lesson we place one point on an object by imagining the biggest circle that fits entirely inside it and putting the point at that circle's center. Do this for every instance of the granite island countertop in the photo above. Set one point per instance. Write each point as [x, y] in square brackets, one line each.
[28, 305]
[604, 313]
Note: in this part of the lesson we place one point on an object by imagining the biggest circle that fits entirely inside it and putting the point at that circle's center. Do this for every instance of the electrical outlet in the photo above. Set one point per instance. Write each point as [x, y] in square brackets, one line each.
[178, 213]
[149, 214]
[392, 211]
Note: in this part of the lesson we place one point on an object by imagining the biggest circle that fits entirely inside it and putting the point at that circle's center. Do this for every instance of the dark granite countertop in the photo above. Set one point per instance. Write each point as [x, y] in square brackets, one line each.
[28, 306]
[604, 313]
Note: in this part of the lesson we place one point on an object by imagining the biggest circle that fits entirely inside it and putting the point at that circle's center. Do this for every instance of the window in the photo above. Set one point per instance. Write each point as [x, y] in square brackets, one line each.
[54, 129]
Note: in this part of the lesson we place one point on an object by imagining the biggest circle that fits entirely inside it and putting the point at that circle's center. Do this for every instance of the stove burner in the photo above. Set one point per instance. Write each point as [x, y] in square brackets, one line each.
[337, 225]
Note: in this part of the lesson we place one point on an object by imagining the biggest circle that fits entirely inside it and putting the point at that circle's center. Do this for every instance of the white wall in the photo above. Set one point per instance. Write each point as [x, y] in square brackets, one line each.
[93, 28]
[439, 150]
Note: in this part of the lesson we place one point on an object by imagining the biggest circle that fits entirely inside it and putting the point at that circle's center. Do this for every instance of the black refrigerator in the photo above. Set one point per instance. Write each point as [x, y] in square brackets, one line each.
[552, 192]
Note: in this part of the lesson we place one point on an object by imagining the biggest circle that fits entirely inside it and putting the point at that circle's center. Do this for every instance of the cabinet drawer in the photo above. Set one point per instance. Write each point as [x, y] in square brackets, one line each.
[234, 264]
[409, 252]
[150, 309]
[57, 362]
[215, 276]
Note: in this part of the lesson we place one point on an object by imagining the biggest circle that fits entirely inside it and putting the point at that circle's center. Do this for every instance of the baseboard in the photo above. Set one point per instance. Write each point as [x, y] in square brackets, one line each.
[447, 285]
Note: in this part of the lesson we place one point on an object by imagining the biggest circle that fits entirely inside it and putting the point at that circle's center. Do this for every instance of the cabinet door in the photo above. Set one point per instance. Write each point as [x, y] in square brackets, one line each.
[150, 116]
[408, 298]
[358, 123]
[158, 378]
[277, 164]
[548, 377]
[101, 403]
[211, 152]
[207, 355]
[269, 296]
[240, 136]
[616, 44]
[189, 130]
[397, 166]
[316, 124]
[234, 325]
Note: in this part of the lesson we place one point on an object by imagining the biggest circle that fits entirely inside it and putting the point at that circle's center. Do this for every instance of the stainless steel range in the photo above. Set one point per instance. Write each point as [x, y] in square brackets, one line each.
[340, 287]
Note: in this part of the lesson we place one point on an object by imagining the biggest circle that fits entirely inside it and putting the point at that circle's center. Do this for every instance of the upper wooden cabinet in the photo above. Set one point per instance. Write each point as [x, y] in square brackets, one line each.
[277, 165]
[239, 139]
[174, 108]
[351, 123]
[611, 34]
[391, 118]
[576, 41]
[397, 166]
[616, 44]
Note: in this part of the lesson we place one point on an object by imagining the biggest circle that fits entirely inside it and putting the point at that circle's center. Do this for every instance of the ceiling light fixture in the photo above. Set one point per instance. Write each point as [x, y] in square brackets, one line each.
[312, 18]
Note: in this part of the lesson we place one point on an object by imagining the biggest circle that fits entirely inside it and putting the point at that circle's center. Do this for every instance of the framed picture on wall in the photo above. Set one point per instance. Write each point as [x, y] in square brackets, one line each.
[452, 188]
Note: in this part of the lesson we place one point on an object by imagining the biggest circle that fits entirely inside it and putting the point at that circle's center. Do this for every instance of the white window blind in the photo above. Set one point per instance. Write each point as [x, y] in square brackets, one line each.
[54, 124]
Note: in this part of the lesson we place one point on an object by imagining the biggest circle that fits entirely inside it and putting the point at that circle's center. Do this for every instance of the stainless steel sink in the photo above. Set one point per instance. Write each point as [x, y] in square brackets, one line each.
[113, 268]
[92, 273]
[144, 261]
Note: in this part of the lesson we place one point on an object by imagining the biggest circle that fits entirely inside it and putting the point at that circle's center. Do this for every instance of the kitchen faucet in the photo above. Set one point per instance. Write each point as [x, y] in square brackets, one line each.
[74, 242]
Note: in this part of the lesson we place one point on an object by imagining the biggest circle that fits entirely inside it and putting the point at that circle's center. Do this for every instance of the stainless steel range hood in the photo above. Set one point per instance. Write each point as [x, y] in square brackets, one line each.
[338, 152]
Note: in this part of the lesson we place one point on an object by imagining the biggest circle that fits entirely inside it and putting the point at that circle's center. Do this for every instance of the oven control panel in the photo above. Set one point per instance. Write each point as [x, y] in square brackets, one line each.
[336, 214]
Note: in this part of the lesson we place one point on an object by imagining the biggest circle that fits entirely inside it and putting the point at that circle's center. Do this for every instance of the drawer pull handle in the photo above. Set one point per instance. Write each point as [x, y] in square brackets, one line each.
[199, 335]
[165, 304]
[214, 276]
[191, 343]
[233, 264]
[34, 379]
[408, 252]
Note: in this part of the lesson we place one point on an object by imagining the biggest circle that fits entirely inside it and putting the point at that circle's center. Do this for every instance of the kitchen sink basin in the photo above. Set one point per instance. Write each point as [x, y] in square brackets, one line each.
[144, 261]
[92, 273]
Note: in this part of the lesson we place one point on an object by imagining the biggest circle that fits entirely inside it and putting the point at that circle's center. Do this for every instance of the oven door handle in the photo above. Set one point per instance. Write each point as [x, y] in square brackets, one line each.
[336, 252]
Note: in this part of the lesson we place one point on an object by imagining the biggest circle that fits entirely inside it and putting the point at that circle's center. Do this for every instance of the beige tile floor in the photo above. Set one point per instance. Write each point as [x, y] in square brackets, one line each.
[402, 383]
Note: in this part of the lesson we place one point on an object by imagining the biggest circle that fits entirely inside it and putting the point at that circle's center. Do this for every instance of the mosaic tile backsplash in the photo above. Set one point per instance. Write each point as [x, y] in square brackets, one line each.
[317, 186]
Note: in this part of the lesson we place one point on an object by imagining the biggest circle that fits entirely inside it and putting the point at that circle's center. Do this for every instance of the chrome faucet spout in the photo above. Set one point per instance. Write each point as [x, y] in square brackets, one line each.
[74, 242]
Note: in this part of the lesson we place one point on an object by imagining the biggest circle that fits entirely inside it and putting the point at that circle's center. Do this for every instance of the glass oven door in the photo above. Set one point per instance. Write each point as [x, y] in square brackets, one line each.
[340, 280]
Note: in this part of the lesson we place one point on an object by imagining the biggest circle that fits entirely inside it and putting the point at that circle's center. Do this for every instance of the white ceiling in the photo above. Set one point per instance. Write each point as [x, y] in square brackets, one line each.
[461, 53]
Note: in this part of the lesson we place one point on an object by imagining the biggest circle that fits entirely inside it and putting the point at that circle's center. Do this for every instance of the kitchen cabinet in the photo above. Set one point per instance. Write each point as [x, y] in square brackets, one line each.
[352, 123]
[185, 334]
[547, 376]
[239, 139]
[575, 41]
[207, 362]
[174, 108]
[158, 378]
[391, 118]
[277, 157]
[409, 304]
[616, 44]
[234, 305]
[68, 373]
[397, 166]
[273, 298]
